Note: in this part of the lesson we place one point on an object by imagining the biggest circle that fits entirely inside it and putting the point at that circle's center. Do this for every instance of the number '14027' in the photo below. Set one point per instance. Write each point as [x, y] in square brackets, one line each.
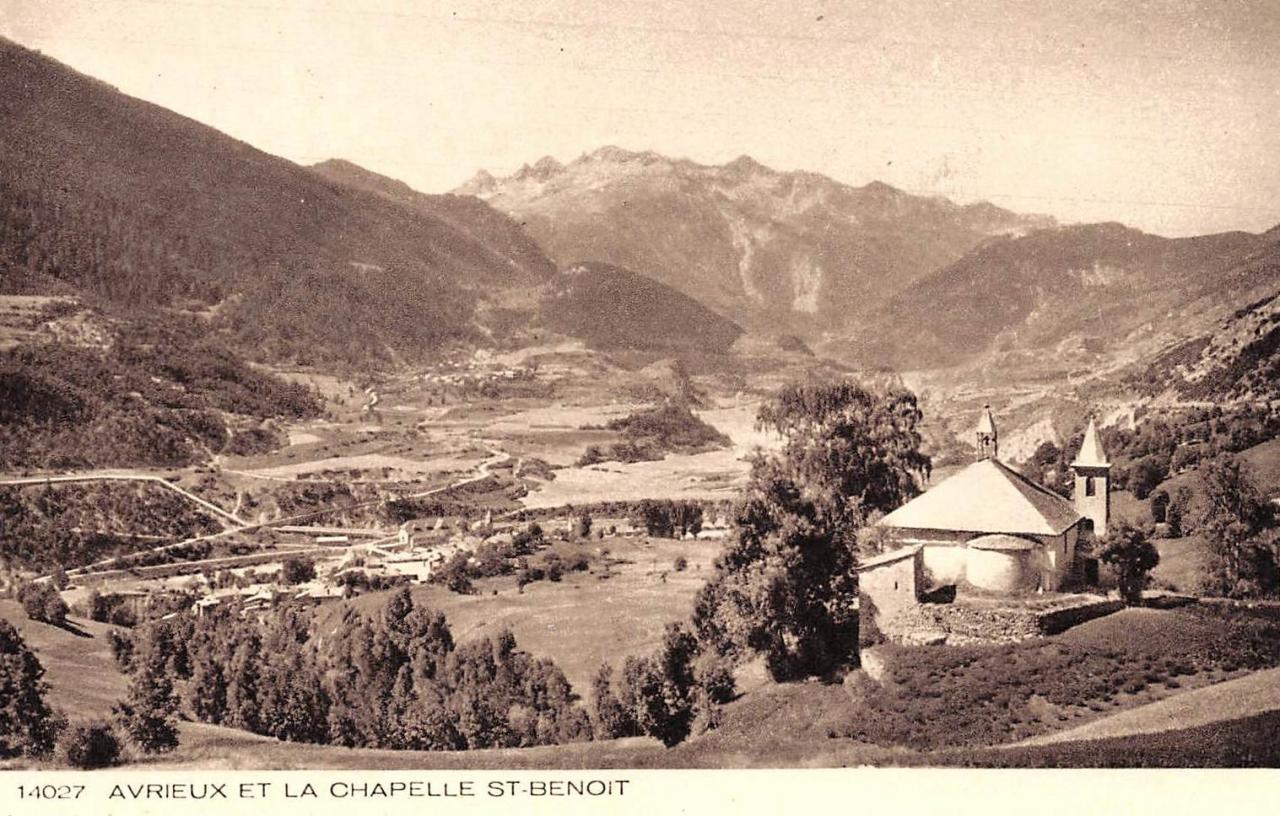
[50, 791]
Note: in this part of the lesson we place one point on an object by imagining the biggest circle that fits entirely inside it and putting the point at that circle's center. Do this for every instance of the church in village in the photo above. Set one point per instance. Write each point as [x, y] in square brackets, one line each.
[988, 528]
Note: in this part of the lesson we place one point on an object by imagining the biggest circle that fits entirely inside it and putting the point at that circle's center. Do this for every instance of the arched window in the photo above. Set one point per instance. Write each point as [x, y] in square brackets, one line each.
[1090, 488]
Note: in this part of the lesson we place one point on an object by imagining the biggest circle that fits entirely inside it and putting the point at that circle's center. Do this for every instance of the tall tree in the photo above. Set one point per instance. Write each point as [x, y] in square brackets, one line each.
[146, 714]
[609, 718]
[786, 586]
[1238, 524]
[27, 725]
[1128, 551]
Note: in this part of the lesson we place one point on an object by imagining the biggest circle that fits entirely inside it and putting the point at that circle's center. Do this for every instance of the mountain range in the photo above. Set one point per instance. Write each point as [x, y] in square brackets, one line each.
[792, 252]
[1100, 288]
[877, 276]
[135, 209]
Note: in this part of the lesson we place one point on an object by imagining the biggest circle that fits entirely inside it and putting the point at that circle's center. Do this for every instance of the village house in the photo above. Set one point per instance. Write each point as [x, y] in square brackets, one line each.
[991, 529]
[414, 532]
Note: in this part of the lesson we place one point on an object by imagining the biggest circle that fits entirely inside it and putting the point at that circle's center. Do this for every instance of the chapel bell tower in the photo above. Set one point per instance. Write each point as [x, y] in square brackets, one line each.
[986, 431]
[1093, 481]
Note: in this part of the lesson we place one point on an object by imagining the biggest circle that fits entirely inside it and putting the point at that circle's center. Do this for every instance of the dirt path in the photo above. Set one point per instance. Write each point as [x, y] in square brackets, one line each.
[126, 476]
[482, 472]
[1245, 696]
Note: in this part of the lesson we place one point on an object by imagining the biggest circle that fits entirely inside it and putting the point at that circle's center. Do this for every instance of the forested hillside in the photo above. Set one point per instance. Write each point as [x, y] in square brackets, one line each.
[615, 308]
[160, 395]
[1238, 361]
[133, 204]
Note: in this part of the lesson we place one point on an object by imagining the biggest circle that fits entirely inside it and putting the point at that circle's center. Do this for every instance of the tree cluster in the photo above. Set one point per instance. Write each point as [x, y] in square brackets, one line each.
[661, 695]
[490, 559]
[42, 602]
[1241, 528]
[70, 525]
[392, 679]
[156, 397]
[1159, 446]
[666, 518]
[651, 434]
[28, 727]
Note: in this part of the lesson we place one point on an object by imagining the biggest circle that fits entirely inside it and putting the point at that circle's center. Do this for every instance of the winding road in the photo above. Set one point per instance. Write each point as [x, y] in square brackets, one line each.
[233, 523]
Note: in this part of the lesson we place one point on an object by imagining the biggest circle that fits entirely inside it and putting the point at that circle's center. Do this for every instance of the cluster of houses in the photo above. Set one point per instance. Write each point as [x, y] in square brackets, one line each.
[467, 375]
[418, 550]
[258, 597]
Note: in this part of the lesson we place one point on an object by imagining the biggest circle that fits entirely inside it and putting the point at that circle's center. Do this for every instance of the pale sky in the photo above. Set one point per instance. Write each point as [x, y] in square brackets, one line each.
[1164, 115]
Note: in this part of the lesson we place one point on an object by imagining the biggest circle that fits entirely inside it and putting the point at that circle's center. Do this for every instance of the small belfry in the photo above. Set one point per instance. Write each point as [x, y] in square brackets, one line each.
[988, 440]
[1093, 481]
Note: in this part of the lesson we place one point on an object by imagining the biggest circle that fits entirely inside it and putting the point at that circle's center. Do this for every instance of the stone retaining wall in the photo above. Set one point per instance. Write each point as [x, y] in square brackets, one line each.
[963, 624]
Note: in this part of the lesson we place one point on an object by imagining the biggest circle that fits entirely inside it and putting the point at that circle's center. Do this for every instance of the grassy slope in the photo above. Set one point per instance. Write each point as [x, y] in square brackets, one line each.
[1183, 560]
[583, 620]
[82, 676]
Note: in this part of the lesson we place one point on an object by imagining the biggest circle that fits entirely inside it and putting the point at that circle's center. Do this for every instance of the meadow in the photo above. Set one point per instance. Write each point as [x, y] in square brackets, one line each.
[587, 617]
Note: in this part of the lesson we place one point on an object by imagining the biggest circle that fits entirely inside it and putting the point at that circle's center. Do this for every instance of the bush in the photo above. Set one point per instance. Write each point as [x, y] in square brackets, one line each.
[121, 649]
[555, 568]
[458, 582]
[99, 607]
[297, 571]
[42, 602]
[1160, 506]
[714, 675]
[89, 745]
[680, 564]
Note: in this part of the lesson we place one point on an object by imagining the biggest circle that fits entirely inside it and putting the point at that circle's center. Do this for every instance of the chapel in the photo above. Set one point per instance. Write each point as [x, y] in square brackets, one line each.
[991, 528]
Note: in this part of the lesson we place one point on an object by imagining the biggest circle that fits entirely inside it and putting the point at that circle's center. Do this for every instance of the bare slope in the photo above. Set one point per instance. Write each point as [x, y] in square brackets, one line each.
[1099, 286]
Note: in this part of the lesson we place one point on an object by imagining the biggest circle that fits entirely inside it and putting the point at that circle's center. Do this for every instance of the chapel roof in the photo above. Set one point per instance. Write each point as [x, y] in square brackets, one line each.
[1001, 542]
[987, 497]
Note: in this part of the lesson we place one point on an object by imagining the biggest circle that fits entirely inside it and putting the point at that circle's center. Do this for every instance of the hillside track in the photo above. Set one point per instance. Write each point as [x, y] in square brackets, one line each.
[124, 476]
[237, 525]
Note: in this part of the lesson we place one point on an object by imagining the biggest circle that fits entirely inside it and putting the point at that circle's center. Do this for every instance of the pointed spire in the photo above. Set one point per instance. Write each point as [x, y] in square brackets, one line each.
[1091, 452]
[986, 435]
[986, 422]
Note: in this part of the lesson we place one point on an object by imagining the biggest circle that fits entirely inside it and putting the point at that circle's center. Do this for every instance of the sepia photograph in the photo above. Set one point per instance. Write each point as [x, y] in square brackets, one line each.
[584, 389]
